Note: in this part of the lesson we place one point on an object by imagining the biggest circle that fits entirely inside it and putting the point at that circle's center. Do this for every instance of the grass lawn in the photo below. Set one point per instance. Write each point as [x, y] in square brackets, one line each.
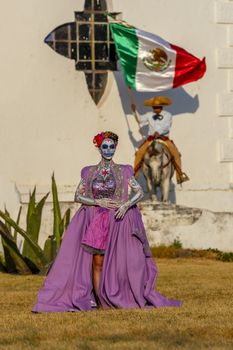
[205, 321]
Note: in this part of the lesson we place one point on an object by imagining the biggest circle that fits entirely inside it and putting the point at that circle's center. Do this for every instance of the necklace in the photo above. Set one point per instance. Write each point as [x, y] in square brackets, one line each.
[104, 171]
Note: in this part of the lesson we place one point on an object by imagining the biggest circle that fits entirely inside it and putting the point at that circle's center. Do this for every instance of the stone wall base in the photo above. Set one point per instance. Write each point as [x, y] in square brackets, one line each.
[194, 228]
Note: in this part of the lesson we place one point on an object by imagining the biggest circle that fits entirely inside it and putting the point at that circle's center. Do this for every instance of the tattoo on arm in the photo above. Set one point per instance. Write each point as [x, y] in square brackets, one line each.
[134, 185]
[80, 195]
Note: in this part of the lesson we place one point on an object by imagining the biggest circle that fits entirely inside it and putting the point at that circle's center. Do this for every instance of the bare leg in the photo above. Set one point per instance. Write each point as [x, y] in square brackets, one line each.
[97, 268]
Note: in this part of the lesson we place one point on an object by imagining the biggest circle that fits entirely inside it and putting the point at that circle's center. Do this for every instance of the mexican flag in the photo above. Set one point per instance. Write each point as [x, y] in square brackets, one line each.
[150, 63]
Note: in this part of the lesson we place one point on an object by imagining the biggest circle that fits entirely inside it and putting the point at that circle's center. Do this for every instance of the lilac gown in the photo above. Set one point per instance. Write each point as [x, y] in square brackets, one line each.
[129, 271]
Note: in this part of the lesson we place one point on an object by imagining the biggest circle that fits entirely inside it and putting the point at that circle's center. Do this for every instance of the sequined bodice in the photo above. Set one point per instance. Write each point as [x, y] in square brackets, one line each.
[103, 188]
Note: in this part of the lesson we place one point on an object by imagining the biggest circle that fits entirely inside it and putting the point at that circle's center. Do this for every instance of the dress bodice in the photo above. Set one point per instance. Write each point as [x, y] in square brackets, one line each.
[103, 187]
[116, 186]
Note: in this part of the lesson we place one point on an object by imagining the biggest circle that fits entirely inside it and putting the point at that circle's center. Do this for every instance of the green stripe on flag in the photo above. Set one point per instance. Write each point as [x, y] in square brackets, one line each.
[126, 42]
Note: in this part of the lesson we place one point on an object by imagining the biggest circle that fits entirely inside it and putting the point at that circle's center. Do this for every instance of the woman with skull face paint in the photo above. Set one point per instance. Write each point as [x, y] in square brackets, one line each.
[104, 260]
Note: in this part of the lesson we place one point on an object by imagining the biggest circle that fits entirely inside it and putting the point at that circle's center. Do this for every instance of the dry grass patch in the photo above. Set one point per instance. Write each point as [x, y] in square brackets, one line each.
[205, 321]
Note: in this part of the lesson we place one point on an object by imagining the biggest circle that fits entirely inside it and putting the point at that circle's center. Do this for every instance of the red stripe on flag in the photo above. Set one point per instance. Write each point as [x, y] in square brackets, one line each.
[188, 67]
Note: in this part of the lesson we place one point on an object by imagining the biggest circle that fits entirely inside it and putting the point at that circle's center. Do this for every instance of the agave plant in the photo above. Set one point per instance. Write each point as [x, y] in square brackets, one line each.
[9, 244]
[40, 263]
[59, 223]
[33, 258]
[34, 214]
[14, 261]
[2, 266]
[53, 242]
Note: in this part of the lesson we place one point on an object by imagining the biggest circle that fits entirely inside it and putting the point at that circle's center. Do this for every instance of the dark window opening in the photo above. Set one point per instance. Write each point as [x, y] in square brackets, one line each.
[100, 17]
[83, 66]
[84, 51]
[73, 31]
[101, 52]
[100, 5]
[61, 33]
[83, 17]
[101, 32]
[84, 32]
[62, 48]
[88, 5]
[73, 51]
[88, 41]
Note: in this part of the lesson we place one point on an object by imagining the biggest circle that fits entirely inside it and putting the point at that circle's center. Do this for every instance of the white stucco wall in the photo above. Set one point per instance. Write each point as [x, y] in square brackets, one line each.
[48, 118]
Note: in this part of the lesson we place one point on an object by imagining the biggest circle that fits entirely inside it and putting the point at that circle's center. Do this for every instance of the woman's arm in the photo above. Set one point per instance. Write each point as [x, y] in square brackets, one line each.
[137, 189]
[138, 195]
[80, 197]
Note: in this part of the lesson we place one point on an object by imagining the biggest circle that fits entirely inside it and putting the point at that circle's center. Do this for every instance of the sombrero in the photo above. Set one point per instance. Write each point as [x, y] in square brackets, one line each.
[158, 101]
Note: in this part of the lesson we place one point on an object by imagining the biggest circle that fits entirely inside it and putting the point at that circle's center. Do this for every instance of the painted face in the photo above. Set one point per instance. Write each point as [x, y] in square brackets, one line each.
[107, 149]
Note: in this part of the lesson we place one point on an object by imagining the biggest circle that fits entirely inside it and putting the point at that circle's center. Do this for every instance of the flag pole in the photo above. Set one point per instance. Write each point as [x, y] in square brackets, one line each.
[134, 112]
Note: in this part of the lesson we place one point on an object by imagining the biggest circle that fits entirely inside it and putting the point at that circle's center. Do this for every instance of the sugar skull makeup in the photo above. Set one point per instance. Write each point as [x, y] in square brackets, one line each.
[107, 149]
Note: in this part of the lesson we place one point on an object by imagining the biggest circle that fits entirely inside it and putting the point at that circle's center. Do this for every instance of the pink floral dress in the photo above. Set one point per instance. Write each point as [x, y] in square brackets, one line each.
[95, 238]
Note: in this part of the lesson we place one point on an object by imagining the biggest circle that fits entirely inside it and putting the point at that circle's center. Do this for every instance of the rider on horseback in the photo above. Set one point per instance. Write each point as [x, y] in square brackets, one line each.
[159, 122]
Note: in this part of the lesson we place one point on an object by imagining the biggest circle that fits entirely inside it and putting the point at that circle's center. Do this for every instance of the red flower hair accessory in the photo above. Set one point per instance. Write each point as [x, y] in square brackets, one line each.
[99, 138]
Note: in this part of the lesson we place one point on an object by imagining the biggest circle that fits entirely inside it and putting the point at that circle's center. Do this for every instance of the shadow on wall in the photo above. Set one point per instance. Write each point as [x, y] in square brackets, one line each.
[182, 103]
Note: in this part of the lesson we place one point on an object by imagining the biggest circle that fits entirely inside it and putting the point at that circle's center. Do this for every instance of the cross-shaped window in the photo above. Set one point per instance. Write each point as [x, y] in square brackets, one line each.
[89, 42]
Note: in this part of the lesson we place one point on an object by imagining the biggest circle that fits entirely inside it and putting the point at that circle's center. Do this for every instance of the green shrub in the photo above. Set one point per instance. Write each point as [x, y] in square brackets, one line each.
[176, 243]
[226, 257]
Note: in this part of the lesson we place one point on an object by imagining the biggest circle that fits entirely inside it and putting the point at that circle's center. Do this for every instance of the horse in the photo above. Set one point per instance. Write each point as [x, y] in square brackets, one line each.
[158, 169]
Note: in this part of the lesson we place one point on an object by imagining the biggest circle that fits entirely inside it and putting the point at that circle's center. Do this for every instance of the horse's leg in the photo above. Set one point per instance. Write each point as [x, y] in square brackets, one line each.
[155, 176]
[146, 172]
[166, 176]
[165, 186]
